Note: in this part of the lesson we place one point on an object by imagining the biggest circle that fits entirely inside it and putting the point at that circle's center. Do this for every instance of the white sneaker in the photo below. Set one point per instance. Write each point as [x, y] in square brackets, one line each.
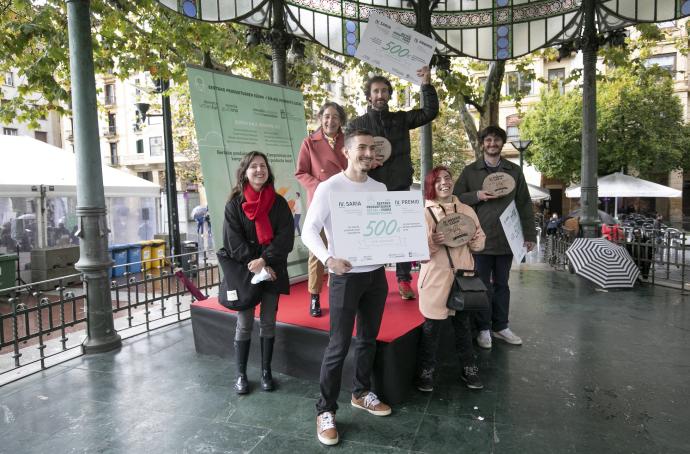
[484, 339]
[508, 336]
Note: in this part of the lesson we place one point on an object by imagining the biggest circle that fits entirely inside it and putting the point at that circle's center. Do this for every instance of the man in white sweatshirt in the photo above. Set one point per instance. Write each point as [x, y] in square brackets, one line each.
[354, 292]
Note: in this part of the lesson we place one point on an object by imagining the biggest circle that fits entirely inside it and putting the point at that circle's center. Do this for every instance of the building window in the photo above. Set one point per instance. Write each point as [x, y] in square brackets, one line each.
[113, 154]
[513, 133]
[664, 61]
[148, 176]
[518, 83]
[110, 94]
[9, 79]
[156, 146]
[112, 127]
[557, 79]
[513, 127]
[41, 135]
[10, 131]
[140, 146]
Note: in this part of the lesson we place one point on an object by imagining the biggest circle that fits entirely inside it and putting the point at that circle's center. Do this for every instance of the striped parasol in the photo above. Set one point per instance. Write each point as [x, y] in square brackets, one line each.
[603, 262]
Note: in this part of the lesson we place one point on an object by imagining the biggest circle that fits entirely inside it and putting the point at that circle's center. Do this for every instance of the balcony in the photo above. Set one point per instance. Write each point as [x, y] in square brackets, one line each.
[110, 100]
[110, 131]
[69, 136]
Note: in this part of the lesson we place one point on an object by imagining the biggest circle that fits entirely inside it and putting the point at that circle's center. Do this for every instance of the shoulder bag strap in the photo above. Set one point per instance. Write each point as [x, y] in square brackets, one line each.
[450, 260]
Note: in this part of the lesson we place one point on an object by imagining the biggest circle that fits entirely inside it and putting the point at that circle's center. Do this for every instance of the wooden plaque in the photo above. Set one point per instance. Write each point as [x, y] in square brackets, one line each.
[498, 184]
[458, 229]
[383, 149]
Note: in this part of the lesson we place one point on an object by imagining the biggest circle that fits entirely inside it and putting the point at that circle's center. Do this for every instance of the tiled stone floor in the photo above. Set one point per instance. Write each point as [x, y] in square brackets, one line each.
[599, 373]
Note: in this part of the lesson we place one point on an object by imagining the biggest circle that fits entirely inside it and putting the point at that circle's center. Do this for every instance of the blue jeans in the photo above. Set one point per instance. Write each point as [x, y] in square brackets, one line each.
[494, 271]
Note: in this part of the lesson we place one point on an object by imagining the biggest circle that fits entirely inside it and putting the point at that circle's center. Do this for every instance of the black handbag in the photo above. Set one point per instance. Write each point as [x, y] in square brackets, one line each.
[236, 291]
[468, 292]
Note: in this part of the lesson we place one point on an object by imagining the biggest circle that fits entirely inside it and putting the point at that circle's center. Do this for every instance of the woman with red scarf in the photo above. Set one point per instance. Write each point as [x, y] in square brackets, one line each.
[258, 230]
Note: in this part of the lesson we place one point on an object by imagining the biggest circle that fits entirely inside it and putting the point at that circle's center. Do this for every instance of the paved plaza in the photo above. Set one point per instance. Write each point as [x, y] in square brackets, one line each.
[599, 372]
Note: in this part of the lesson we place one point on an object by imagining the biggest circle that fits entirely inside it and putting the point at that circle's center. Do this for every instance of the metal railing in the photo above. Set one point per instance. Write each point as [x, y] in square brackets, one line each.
[41, 328]
[663, 256]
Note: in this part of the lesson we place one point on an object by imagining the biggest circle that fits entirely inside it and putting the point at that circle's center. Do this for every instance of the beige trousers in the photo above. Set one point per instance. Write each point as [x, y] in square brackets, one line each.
[316, 271]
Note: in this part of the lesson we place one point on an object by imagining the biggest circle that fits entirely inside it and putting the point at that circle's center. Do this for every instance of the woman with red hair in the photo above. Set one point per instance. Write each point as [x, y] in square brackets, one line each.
[436, 278]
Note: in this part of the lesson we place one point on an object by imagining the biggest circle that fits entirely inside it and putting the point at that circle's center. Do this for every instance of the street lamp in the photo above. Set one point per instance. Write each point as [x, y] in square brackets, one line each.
[170, 178]
[521, 145]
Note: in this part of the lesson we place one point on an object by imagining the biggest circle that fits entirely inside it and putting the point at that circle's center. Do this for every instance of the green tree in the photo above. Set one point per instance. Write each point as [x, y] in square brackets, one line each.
[449, 143]
[129, 38]
[640, 126]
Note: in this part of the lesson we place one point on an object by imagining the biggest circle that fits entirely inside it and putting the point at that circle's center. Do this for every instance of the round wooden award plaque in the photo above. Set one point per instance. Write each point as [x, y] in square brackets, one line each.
[383, 149]
[457, 228]
[498, 184]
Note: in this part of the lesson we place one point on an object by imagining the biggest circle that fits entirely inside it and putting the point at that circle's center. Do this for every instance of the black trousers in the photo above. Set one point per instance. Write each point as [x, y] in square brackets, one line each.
[403, 270]
[351, 296]
[494, 271]
[431, 335]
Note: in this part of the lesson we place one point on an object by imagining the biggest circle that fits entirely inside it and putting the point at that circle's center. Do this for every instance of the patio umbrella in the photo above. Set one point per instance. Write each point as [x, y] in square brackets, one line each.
[199, 210]
[536, 193]
[620, 185]
[604, 217]
[604, 263]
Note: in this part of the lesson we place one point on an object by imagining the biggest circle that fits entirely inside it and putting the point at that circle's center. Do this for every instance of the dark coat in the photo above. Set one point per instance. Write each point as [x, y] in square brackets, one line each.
[396, 172]
[241, 242]
[489, 212]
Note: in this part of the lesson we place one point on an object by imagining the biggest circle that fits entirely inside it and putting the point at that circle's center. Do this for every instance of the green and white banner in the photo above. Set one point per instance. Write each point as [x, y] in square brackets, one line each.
[233, 116]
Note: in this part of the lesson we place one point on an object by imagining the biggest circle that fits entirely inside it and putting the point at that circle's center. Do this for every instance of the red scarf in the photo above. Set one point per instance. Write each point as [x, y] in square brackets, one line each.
[256, 207]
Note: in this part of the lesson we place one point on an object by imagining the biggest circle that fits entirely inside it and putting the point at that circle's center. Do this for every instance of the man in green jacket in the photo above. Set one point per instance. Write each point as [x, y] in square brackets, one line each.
[494, 262]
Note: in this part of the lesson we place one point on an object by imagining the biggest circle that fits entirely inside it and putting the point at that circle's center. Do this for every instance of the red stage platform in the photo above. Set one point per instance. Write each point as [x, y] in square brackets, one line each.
[301, 339]
[399, 317]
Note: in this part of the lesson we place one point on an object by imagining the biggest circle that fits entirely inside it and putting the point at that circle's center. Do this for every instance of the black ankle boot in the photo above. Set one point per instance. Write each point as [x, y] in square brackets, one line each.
[241, 357]
[425, 380]
[266, 356]
[315, 307]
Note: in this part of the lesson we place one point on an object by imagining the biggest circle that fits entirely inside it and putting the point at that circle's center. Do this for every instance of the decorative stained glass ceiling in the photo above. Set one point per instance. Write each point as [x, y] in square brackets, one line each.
[483, 29]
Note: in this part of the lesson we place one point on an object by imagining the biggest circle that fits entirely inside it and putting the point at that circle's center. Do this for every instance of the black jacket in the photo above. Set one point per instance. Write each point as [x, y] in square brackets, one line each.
[396, 172]
[241, 242]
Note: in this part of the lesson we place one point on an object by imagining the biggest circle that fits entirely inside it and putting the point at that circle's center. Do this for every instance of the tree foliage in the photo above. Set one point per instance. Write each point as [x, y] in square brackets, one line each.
[130, 37]
[639, 121]
[449, 143]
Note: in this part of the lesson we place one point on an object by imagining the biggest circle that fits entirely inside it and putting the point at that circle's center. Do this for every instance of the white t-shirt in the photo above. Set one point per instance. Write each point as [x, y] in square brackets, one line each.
[319, 216]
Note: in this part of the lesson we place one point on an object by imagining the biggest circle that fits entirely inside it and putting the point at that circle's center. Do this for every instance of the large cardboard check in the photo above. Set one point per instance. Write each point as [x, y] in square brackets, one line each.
[395, 48]
[512, 227]
[373, 228]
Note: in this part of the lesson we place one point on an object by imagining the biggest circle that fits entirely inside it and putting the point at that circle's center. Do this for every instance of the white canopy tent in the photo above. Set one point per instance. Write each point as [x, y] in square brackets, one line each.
[621, 185]
[537, 194]
[28, 162]
[29, 165]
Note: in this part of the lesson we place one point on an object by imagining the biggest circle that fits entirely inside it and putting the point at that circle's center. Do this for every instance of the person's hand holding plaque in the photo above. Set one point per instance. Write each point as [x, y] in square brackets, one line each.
[456, 229]
[383, 151]
[437, 238]
[498, 184]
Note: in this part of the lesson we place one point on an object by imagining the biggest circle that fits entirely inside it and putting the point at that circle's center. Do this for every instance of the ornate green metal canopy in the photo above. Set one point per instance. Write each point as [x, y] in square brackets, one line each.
[483, 29]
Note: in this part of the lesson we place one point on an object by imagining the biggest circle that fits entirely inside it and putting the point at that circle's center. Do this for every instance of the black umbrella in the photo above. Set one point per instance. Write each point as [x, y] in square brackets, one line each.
[602, 262]
[603, 216]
